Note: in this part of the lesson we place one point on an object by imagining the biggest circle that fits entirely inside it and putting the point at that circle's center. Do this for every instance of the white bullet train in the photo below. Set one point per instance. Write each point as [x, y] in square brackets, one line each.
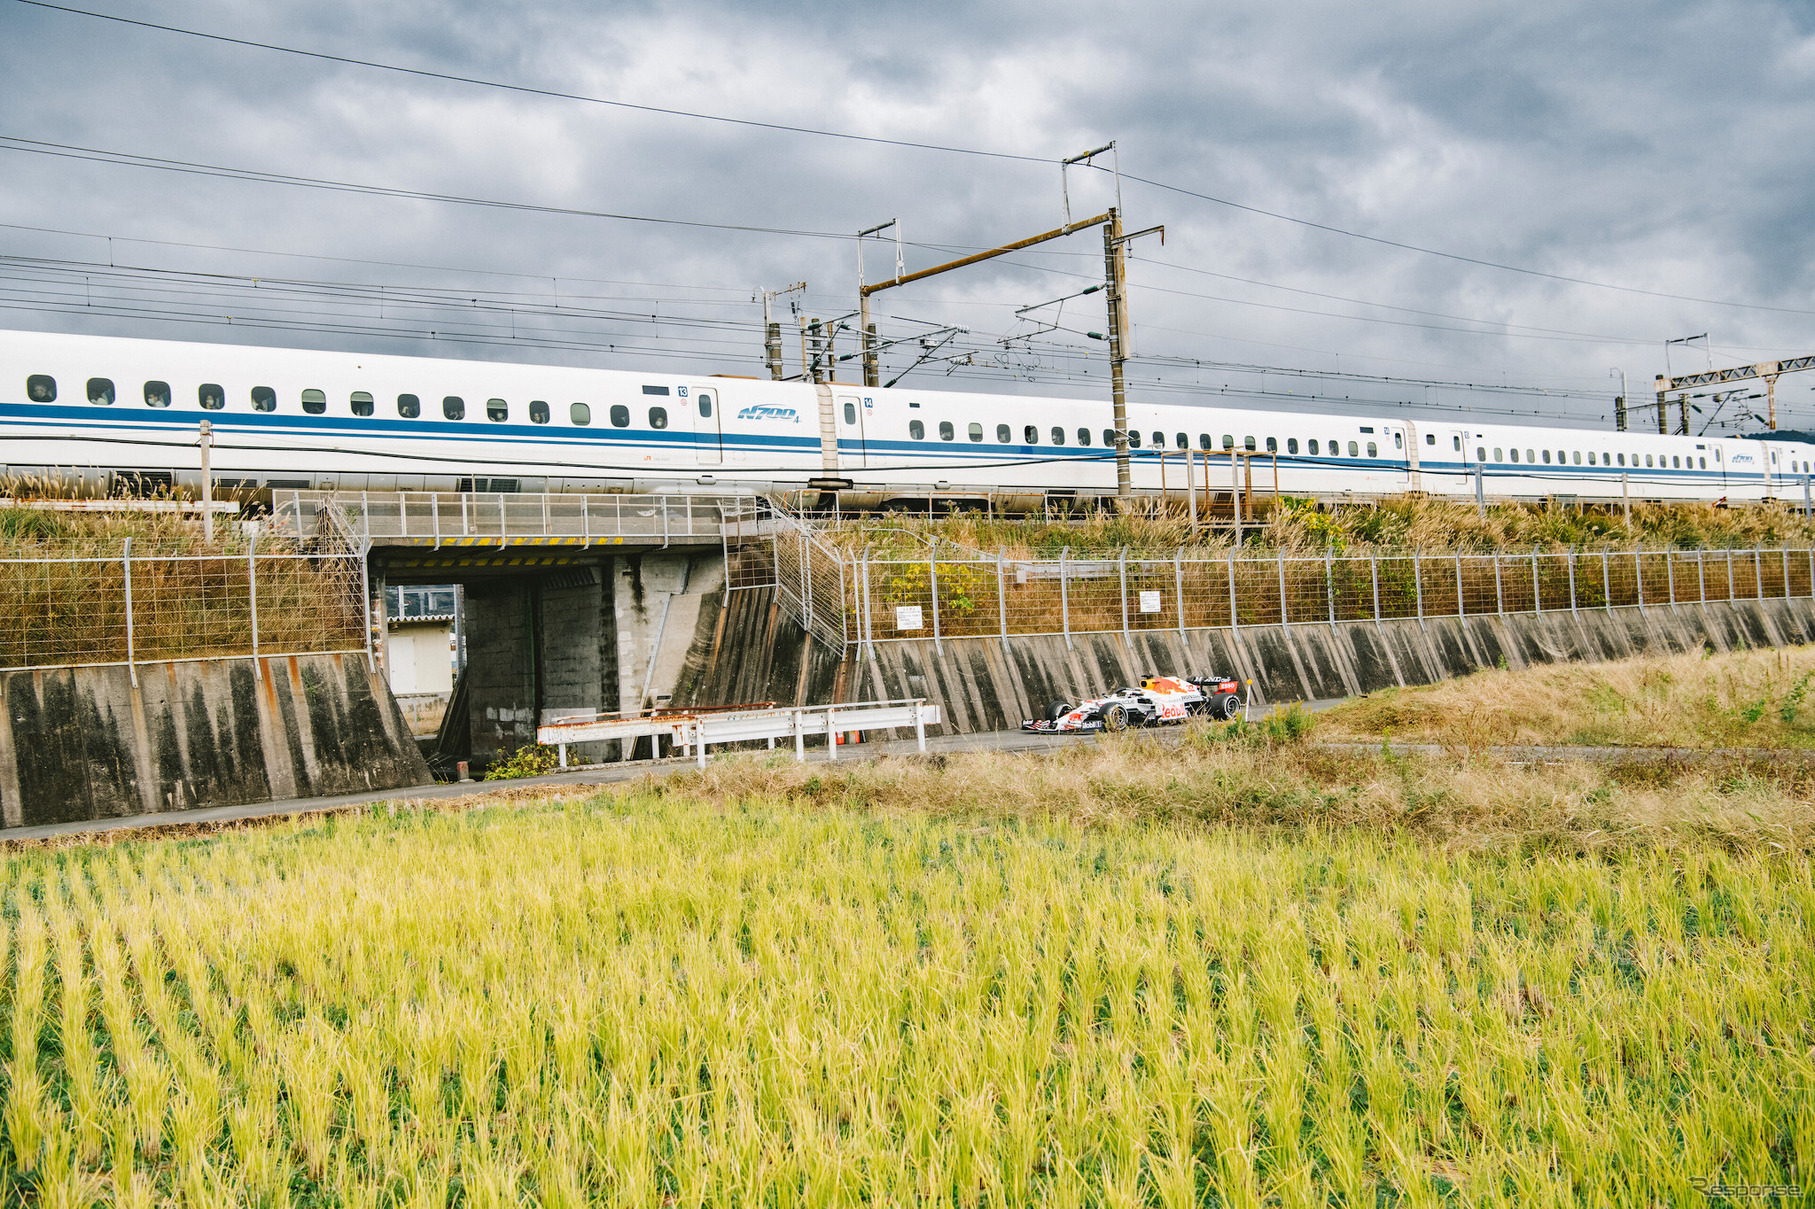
[118, 413]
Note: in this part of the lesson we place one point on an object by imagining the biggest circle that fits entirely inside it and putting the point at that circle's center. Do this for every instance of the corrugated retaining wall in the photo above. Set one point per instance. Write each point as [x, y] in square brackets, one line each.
[89, 742]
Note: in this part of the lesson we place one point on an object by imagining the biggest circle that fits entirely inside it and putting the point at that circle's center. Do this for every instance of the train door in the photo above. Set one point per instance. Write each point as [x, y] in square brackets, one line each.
[1400, 447]
[850, 429]
[708, 436]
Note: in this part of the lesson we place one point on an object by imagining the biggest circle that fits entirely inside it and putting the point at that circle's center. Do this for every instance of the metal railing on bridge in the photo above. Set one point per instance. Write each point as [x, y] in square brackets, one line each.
[436, 519]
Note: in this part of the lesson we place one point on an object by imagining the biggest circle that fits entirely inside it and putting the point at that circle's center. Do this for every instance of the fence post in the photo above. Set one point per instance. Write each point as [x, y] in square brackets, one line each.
[1001, 597]
[1670, 574]
[131, 661]
[1178, 574]
[1786, 572]
[252, 587]
[1729, 575]
[1122, 571]
[1499, 590]
[1701, 575]
[1234, 618]
[1418, 586]
[1461, 605]
[1638, 574]
[1537, 589]
[365, 607]
[1284, 621]
[1758, 571]
[1329, 583]
[435, 516]
[1572, 582]
[1065, 594]
[932, 561]
[1374, 575]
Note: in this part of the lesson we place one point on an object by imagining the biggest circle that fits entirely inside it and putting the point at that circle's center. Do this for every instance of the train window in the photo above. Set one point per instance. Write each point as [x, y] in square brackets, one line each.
[1083, 436]
[1704, 462]
[655, 390]
[314, 402]
[1530, 456]
[1203, 440]
[41, 388]
[1109, 437]
[453, 407]
[538, 411]
[1398, 440]
[1458, 443]
[210, 396]
[850, 413]
[1647, 460]
[1354, 452]
[408, 406]
[1622, 459]
[1547, 457]
[1291, 444]
[1335, 449]
[1159, 440]
[1134, 438]
[617, 413]
[1058, 435]
[1272, 445]
[264, 399]
[703, 399]
[361, 403]
[1030, 435]
[497, 410]
[581, 415]
[976, 433]
[1515, 455]
[658, 417]
[1311, 446]
[157, 394]
[946, 431]
[1372, 452]
[100, 390]
[1578, 457]
[1481, 453]
[1181, 440]
[1248, 444]
[1228, 441]
[1003, 435]
[1497, 454]
[917, 430]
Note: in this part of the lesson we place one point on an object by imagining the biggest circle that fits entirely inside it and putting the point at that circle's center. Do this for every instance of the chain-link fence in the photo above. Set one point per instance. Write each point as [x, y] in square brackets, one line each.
[129, 609]
[941, 596]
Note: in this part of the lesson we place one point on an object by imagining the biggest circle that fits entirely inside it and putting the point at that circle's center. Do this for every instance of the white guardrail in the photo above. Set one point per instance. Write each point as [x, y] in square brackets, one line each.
[693, 733]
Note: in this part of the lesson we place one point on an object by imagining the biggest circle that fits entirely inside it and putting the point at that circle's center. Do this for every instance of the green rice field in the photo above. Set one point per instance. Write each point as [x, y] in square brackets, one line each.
[659, 999]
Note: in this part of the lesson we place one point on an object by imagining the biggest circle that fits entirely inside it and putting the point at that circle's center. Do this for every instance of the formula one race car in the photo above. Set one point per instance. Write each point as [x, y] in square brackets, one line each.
[1158, 701]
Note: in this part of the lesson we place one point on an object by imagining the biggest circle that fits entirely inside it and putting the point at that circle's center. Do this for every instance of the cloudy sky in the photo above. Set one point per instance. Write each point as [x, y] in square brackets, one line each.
[1434, 206]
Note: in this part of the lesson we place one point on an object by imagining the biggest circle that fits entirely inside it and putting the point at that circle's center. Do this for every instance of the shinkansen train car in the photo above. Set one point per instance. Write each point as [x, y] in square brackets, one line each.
[115, 411]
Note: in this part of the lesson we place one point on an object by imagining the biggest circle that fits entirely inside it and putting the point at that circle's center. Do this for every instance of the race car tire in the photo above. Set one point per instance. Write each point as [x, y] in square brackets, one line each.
[1057, 710]
[1228, 707]
[1115, 718]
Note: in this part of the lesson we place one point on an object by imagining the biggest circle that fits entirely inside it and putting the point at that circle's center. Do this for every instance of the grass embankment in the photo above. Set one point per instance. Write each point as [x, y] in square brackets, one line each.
[1394, 524]
[1740, 699]
[645, 1000]
[189, 598]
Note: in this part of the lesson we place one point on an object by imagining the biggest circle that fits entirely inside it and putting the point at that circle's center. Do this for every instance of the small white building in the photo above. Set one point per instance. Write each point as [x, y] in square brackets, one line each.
[421, 640]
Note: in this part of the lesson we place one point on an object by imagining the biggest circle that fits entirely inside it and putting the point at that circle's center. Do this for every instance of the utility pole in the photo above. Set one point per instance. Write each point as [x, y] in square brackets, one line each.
[872, 374]
[772, 329]
[1115, 271]
[207, 482]
[1619, 402]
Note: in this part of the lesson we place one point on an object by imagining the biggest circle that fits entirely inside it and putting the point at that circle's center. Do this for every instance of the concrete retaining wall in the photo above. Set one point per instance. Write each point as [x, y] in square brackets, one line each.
[989, 683]
[87, 743]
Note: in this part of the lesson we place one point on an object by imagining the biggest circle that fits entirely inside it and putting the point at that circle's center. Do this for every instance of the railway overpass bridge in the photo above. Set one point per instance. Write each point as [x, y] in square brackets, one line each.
[572, 603]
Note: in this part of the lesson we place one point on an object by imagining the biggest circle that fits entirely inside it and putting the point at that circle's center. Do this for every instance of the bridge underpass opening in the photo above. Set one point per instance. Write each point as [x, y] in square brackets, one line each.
[551, 633]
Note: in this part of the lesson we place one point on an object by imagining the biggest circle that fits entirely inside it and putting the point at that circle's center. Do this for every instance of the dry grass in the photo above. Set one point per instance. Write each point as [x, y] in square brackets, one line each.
[1235, 776]
[1751, 698]
[1298, 526]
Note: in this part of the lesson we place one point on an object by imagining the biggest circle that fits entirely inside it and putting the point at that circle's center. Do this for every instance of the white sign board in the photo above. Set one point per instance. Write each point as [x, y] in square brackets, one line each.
[1150, 602]
[907, 617]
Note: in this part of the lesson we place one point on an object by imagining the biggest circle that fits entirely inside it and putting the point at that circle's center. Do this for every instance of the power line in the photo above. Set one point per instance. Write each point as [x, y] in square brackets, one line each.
[817, 132]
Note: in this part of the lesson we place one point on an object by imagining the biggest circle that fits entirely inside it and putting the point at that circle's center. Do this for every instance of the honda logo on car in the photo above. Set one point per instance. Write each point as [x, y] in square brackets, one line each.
[763, 411]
